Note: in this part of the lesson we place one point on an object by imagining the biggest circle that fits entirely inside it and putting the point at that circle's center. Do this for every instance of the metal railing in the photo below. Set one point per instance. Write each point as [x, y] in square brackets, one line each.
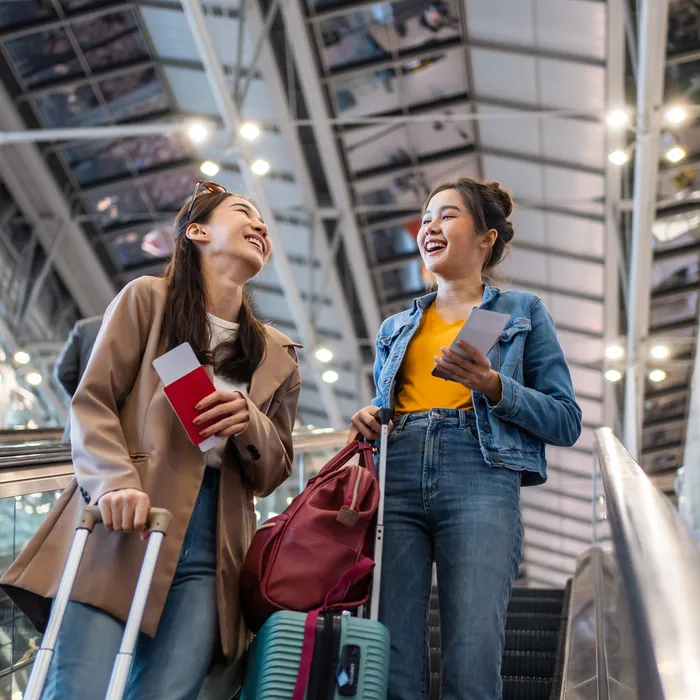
[659, 565]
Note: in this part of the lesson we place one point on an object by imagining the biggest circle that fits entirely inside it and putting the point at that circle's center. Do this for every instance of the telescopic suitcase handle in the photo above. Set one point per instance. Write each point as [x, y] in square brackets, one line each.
[158, 522]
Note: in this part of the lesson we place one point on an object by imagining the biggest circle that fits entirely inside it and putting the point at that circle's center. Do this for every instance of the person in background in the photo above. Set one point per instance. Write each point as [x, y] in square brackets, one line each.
[74, 357]
[460, 448]
[130, 451]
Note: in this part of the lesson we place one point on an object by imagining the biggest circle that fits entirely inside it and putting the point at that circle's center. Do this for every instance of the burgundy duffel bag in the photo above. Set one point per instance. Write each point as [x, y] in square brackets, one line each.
[297, 557]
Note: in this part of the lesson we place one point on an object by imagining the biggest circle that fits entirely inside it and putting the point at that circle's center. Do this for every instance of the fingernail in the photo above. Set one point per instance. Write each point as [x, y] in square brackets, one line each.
[203, 433]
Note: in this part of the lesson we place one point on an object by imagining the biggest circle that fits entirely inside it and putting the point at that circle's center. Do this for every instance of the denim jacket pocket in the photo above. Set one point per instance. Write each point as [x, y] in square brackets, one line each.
[511, 345]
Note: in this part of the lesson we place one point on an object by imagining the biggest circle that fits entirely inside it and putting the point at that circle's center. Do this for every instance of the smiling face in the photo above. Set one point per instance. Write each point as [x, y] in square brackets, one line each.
[449, 244]
[234, 233]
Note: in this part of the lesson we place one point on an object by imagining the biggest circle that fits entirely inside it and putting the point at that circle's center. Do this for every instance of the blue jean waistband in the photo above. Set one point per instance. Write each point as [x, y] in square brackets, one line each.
[449, 416]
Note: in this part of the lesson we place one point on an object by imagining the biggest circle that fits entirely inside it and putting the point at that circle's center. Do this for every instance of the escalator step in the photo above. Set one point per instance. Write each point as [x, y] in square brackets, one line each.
[531, 640]
[528, 664]
[530, 621]
[435, 686]
[535, 605]
[538, 593]
[434, 605]
[434, 636]
[526, 688]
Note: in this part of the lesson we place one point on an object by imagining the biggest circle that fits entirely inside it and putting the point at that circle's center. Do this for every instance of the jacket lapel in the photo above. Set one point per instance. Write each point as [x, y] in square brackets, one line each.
[274, 369]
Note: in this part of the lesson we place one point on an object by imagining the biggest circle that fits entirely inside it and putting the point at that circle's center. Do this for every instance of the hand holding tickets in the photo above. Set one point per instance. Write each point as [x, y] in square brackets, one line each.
[190, 392]
[465, 360]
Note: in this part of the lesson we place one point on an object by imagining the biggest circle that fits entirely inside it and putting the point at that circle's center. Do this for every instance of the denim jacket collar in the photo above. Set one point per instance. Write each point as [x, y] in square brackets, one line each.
[425, 301]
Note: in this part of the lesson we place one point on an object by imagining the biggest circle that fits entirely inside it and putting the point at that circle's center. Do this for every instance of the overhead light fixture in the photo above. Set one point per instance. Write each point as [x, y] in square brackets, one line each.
[22, 357]
[659, 352]
[618, 157]
[250, 131]
[330, 377]
[657, 375]
[614, 352]
[260, 167]
[676, 115]
[675, 154]
[209, 168]
[198, 132]
[613, 375]
[617, 118]
[34, 378]
[324, 355]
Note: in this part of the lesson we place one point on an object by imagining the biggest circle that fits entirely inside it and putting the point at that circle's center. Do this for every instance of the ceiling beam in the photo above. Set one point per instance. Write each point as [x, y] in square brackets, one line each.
[312, 89]
[653, 24]
[229, 112]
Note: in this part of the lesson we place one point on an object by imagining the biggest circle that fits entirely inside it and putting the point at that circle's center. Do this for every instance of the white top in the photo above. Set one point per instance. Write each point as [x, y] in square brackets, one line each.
[222, 331]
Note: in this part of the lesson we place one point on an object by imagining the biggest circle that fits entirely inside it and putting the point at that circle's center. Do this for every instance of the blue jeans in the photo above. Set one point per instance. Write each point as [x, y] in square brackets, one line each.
[173, 664]
[444, 503]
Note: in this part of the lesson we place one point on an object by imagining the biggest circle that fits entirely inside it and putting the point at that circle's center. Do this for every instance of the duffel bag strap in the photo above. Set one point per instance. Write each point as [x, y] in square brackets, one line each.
[356, 573]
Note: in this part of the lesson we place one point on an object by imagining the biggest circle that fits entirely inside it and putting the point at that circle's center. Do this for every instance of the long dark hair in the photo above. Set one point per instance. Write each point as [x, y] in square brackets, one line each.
[185, 318]
[490, 206]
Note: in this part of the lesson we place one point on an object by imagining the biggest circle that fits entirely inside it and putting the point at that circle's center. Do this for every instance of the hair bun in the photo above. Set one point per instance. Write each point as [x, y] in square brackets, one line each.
[504, 197]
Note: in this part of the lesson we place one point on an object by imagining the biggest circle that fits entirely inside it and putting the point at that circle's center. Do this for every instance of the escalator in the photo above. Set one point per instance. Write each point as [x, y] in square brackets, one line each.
[535, 639]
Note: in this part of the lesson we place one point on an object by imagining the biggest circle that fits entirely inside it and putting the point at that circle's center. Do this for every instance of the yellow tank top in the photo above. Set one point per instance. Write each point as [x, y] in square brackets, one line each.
[417, 389]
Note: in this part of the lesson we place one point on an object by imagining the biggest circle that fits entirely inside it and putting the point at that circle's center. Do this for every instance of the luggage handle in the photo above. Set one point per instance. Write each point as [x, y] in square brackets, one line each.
[158, 519]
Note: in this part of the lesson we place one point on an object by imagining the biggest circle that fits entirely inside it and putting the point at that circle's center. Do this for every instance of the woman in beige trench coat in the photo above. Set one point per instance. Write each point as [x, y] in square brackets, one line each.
[130, 452]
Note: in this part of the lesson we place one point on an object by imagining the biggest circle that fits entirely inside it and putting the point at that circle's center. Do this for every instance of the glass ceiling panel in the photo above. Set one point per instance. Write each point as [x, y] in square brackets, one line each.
[403, 281]
[94, 161]
[44, 57]
[70, 106]
[138, 247]
[393, 241]
[24, 12]
[111, 39]
[425, 80]
[347, 39]
[135, 94]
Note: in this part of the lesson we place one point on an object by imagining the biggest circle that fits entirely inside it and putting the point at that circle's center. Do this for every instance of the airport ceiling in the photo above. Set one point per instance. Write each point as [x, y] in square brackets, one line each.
[355, 109]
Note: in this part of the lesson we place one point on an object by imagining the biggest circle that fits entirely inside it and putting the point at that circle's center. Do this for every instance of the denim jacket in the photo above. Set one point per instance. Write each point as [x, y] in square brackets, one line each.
[538, 405]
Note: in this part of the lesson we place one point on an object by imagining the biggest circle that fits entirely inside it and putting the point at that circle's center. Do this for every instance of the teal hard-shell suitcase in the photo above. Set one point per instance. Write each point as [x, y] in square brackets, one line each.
[351, 658]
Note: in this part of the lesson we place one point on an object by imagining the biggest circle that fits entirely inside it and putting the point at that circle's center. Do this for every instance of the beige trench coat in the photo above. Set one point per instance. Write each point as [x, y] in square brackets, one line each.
[126, 435]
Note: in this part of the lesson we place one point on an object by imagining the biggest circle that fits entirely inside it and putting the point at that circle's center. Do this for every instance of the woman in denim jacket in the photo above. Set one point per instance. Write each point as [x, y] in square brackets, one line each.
[460, 450]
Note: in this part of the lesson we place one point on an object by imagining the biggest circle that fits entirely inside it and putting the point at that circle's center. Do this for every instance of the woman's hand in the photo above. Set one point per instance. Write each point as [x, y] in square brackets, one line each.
[231, 410]
[364, 423]
[473, 372]
[125, 510]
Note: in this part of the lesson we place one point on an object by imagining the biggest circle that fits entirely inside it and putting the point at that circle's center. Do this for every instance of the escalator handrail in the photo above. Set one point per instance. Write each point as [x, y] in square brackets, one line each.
[660, 565]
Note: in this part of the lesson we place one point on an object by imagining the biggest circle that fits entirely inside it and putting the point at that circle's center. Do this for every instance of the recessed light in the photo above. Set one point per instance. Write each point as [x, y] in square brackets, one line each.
[250, 131]
[324, 355]
[675, 154]
[260, 167]
[676, 115]
[330, 377]
[198, 132]
[659, 352]
[617, 118]
[22, 358]
[209, 168]
[34, 378]
[613, 375]
[614, 352]
[618, 157]
[657, 375]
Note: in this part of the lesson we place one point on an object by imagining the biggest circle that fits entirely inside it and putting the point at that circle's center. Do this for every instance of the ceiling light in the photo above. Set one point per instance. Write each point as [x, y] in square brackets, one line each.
[659, 352]
[34, 378]
[324, 355]
[614, 352]
[613, 375]
[618, 157]
[21, 357]
[675, 154]
[260, 167]
[617, 118]
[209, 169]
[330, 377]
[657, 375]
[676, 115]
[250, 131]
[198, 132]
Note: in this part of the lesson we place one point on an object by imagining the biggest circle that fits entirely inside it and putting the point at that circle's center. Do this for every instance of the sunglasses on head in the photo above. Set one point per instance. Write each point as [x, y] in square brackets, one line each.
[207, 187]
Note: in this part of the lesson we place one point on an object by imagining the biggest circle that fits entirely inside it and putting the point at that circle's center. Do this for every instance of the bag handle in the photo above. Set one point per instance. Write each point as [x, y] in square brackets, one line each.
[365, 451]
[354, 574]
